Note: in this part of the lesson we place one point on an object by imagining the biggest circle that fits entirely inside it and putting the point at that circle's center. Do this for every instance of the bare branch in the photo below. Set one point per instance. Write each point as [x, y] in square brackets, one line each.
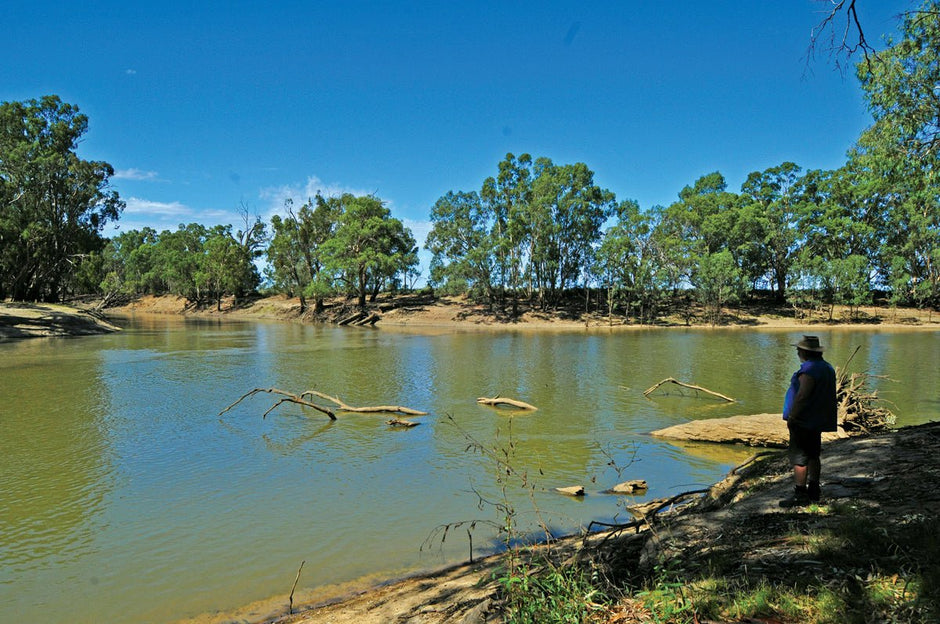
[289, 397]
[690, 387]
[844, 38]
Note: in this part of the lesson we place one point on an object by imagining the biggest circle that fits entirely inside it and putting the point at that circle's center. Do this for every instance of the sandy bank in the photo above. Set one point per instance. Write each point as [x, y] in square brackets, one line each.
[33, 320]
[427, 314]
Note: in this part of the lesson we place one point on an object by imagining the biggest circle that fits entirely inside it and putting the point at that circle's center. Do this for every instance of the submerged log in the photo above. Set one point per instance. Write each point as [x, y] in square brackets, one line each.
[690, 387]
[498, 400]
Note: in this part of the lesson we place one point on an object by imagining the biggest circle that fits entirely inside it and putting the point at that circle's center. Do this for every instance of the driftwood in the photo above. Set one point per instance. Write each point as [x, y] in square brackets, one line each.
[629, 487]
[400, 422]
[301, 399]
[858, 409]
[359, 318]
[690, 387]
[497, 400]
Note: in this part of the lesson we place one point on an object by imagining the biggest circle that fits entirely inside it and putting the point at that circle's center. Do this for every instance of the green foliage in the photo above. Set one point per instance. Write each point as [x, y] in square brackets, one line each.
[626, 263]
[192, 262]
[718, 281]
[547, 594]
[533, 227]
[53, 204]
[295, 253]
[369, 248]
[461, 245]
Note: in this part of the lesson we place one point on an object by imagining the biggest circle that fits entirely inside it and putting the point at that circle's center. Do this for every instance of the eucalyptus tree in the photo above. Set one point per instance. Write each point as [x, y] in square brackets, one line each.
[369, 247]
[53, 204]
[900, 153]
[626, 263]
[295, 252]
[507, 197]
[128, 265]
[900, 85]
[225, 267]
[177, 259]
[775, 196]
[718, 281]
[461, 243]
[564, 217]
[695, 227]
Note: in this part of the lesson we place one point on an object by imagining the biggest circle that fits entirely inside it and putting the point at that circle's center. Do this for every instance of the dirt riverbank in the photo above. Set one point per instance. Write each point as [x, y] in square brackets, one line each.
[33, 320]
[422, 312]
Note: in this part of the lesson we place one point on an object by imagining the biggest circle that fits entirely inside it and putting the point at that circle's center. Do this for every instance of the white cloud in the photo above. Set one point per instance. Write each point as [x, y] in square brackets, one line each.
[300, 193]
[134, 174]
[138, 206]
[130, 72]
[420, 229]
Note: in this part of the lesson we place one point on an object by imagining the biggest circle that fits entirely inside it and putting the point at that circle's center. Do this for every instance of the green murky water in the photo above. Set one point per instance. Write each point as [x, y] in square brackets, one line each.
[125, 497]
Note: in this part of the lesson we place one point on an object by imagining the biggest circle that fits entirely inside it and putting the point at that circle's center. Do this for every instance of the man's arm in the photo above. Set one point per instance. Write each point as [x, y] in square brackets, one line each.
[801, 400]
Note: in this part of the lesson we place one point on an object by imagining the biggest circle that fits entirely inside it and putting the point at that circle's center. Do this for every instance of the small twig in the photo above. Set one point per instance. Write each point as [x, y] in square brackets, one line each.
[290, 609]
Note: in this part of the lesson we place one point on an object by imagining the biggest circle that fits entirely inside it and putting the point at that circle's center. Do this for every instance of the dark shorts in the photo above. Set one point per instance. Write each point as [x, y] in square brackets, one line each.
[805, 445]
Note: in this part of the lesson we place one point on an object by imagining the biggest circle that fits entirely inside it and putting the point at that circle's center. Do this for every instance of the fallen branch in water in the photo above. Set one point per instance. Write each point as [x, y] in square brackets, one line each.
[690, 387]
[289, 397]
[302, 399]
[497, 400]
[387, 409]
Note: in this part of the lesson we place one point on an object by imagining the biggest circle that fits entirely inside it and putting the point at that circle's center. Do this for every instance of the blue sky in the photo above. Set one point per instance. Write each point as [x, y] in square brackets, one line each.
[206, 107]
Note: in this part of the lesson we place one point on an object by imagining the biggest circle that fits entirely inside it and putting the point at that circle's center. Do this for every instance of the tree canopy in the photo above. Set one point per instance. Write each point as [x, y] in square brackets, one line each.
[53, 204]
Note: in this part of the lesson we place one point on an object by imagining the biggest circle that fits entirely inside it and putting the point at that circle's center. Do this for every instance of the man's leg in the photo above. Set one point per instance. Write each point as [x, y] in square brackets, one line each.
[813, 470]
[799, 459]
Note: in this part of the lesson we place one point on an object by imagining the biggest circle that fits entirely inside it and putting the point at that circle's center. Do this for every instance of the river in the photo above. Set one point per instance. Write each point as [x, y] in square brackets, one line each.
[126, 497]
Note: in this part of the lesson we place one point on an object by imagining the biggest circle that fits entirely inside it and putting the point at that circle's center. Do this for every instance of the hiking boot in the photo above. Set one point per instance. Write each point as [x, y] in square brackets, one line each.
[813, 491]
[800, 498]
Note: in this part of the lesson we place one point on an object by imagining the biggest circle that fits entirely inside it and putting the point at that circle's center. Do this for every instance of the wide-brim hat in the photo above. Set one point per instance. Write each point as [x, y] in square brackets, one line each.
[810, 343]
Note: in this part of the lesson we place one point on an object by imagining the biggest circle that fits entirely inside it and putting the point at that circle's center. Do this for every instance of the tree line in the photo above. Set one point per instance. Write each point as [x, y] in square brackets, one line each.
[535, 232]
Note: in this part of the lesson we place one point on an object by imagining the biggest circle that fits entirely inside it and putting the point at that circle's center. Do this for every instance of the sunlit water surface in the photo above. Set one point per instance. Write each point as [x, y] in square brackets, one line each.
[126, 497]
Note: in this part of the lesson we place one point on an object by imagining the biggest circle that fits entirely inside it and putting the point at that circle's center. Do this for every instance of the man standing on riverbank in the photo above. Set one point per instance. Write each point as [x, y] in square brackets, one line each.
[809, 409]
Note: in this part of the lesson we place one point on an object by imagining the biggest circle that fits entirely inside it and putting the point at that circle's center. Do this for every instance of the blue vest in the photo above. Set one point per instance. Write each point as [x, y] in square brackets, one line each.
[821, 412]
